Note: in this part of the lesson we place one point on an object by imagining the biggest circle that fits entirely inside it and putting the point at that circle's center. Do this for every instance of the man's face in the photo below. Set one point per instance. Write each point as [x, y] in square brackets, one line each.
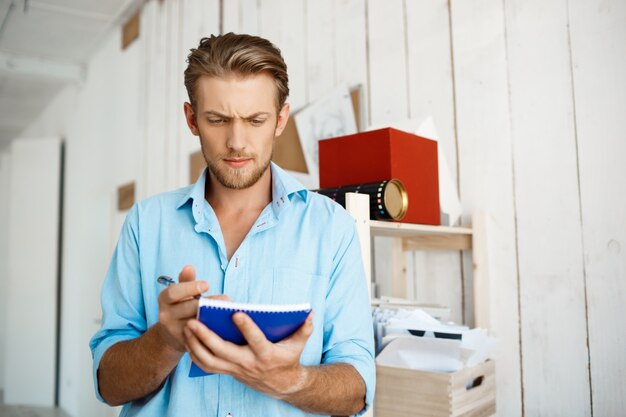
[237, 121]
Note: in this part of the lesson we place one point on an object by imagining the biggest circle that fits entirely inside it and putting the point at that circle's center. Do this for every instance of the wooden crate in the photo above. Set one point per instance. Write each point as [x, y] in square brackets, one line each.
[405, 392]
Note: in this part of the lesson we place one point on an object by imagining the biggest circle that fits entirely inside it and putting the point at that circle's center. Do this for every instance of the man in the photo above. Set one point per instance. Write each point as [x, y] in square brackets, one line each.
[250, 233]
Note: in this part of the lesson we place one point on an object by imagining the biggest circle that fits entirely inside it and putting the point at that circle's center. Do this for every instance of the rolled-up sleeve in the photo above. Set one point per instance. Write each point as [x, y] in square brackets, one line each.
[123, 312]
[348, 331]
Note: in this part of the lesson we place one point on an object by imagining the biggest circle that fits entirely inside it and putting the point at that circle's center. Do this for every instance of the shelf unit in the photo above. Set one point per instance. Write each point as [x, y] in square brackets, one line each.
[408, 237]
[424, 237]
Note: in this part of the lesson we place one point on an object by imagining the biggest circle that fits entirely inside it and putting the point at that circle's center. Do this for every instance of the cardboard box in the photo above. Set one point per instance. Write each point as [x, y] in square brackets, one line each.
[386, 154]
[469, 392]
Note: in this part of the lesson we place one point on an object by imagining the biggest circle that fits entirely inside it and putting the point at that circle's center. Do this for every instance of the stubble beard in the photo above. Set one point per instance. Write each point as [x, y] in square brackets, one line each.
[236, 178]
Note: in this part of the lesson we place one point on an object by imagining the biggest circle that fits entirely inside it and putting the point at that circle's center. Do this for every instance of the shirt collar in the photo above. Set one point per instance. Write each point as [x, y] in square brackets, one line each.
[196, 194]
[284, 184]
[284, 187]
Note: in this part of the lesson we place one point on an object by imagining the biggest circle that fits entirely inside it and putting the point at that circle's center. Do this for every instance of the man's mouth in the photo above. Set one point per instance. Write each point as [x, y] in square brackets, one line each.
[237, 162]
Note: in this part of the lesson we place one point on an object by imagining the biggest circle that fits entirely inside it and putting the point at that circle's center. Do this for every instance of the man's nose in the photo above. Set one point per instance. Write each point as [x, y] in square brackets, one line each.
[237, 135]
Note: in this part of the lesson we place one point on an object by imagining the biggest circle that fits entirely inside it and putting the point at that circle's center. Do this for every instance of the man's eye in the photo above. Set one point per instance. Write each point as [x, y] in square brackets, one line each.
[216, 121]
[257, 122]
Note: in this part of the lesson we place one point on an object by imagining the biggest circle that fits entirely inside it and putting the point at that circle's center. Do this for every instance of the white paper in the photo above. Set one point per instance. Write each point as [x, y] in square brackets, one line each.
[400, 348]
[425, 354]
[328, 117]
[449, 202]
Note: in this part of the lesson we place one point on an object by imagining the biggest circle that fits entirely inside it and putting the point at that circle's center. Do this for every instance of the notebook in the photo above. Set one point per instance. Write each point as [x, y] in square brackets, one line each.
[276, 321]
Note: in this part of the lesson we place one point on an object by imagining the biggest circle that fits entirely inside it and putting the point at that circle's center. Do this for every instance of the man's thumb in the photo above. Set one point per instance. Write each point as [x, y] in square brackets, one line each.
[188, 273]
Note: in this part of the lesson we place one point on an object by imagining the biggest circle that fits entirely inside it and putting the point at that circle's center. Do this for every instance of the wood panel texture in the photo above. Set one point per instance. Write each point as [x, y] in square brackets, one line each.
[485, 171]
[350, 44]
[240, 16]
[155, 141]
[552, 292]
[320, 49]
[387, 61]
[598, 43]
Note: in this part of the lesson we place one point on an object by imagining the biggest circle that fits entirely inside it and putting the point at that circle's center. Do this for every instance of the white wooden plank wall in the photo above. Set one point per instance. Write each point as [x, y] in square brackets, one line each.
[485, 170]
[231, 17]
[173, 86]
[431, 85]
[319, 49]
[155, 141]
[350, 44]
[387, 61]
[552, 291]
[598, 45]
[241, 16]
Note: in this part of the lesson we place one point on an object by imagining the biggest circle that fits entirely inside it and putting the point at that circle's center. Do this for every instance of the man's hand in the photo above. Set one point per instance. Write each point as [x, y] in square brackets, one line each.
[271, 368]
[274, 368]
[178, 304]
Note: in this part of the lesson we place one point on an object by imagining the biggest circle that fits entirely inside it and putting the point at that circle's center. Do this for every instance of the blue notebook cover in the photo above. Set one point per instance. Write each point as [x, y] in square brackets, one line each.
[275, 321]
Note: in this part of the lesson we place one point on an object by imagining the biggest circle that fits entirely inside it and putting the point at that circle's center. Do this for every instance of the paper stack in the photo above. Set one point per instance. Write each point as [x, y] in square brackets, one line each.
[413, 339]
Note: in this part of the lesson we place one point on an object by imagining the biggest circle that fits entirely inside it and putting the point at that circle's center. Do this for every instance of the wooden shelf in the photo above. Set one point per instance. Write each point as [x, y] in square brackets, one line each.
[424, 237]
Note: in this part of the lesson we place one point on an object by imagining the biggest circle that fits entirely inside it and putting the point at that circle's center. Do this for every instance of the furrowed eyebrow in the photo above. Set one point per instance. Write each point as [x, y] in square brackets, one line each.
[255, 115]
[252, 116]
[214, 113]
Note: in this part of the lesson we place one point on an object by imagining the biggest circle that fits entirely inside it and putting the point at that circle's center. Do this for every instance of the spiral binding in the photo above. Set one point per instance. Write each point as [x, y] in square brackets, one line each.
[260, 308]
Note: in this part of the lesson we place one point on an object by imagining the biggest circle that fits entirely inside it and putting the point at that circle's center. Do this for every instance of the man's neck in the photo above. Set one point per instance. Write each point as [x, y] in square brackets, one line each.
[225, 199]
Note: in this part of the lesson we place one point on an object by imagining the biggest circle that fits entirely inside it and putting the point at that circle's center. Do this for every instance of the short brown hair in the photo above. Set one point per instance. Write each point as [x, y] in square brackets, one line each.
[219, 56]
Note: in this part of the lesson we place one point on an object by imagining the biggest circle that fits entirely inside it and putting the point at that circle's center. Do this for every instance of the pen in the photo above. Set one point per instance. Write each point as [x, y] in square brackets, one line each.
[167, 281]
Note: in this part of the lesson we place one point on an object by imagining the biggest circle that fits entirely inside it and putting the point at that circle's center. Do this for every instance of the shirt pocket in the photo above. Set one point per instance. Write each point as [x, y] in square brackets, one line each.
[291, 286]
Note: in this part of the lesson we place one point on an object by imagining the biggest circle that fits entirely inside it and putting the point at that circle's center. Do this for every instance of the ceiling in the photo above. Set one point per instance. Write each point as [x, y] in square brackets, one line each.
[44, 46]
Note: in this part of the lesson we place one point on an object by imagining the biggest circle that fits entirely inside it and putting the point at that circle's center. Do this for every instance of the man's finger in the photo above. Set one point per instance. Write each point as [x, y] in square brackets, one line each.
[218, 346]
[257, 341]
[179, 292]
[222, 297]
[204, 356]
[184, 310]
[303, 333]
[188, 273]
[205, 359]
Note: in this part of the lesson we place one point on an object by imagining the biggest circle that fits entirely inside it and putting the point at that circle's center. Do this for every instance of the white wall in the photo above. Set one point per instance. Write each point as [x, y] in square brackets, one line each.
[5, 167]
[527, 98]
[32, 278]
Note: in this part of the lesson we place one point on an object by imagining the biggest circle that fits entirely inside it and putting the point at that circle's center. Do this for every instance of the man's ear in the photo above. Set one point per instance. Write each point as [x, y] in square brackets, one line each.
[191, 119]
[283, 116]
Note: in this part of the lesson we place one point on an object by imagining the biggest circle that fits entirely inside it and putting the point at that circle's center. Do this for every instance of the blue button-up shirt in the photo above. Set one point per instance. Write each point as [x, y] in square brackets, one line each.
[302, 248]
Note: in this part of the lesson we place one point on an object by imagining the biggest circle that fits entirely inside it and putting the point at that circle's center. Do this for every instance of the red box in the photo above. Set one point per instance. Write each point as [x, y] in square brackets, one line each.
[386, 154]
